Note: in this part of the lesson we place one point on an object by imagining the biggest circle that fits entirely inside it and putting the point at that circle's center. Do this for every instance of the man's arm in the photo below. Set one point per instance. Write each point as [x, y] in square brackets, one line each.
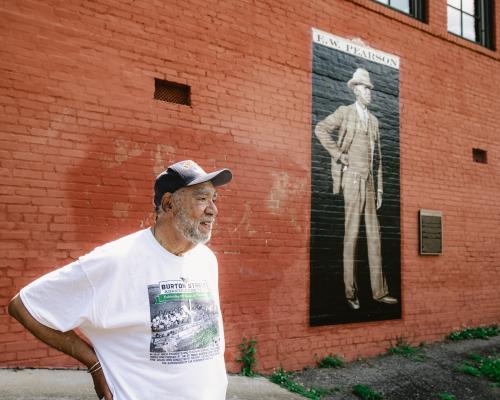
[380, 184]
[323, 132]
[67, 342]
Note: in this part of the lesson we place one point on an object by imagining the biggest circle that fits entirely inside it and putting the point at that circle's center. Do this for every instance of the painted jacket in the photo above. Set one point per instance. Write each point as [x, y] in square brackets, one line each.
[346, 121]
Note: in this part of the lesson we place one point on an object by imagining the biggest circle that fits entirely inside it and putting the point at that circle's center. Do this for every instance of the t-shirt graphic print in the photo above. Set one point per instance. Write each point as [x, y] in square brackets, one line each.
[184, 322]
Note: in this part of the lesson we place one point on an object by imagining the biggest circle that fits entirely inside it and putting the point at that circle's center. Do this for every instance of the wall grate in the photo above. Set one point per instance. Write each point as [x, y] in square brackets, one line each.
[480, 156]
[172, 92]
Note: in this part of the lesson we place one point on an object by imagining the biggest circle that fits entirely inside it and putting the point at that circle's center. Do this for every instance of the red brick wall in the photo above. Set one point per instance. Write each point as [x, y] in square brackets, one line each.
[81, 139]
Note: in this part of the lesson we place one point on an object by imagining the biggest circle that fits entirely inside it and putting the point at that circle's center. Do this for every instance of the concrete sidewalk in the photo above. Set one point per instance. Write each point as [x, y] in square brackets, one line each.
[45, 384]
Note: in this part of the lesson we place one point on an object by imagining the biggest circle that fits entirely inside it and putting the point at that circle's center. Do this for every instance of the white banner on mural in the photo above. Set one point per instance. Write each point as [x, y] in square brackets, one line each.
[356, 49]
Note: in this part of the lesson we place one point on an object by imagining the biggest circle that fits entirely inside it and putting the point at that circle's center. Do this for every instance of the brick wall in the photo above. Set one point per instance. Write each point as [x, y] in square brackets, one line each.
[81, 139]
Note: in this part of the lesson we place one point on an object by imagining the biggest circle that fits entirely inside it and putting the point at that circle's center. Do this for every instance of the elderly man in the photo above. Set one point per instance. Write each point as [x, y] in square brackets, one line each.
[148, 303]
[357, 172]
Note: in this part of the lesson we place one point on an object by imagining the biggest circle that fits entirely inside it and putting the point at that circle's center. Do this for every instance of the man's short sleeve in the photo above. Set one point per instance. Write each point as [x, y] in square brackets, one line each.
[61, 299]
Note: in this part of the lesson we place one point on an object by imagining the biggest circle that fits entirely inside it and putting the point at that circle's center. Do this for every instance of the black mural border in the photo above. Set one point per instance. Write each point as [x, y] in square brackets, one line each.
[331, 70]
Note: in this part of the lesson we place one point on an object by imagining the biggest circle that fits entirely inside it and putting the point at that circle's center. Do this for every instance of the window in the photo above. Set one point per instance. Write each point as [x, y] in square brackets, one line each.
[471, 19]
[415, 8]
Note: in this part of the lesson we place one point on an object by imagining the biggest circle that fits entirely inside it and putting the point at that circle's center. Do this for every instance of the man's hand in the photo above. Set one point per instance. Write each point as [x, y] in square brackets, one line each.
[344, 159]
[67, 342]
[101, 386]
[379, 199]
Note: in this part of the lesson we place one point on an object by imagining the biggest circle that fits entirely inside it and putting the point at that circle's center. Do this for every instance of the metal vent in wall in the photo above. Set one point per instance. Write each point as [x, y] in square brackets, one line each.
[480, 156]
[172, 92]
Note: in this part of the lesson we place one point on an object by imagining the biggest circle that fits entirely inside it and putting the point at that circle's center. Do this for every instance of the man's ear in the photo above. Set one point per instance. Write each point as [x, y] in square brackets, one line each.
[166, 202]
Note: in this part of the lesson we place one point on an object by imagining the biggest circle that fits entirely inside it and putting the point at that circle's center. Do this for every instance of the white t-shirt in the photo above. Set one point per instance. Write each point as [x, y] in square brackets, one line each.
[153, 318]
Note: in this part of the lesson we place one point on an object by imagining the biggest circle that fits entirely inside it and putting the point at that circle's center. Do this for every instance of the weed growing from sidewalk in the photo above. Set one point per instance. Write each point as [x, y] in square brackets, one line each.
[284, 379]
[475, 333]
[468, 369]
[404, 349]
[247, 356]
[366, 393]
[488, 367]
[330, 361]
[445, 396]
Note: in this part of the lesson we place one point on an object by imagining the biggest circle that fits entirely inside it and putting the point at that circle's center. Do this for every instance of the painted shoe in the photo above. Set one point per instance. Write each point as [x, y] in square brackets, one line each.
[353, 303]
[388, 300]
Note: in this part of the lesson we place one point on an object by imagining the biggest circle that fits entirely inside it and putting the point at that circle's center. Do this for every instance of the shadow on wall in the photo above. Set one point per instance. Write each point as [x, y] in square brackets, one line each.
[109, 190]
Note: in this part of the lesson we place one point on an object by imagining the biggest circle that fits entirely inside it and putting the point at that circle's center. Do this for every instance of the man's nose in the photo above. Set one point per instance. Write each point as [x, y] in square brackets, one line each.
[212, 208]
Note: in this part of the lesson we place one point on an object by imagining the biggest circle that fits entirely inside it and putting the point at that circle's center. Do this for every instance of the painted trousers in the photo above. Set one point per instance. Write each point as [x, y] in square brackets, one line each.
[360, 200]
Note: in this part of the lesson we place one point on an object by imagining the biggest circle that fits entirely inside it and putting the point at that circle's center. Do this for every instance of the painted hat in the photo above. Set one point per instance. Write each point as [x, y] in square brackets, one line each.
[360, 77]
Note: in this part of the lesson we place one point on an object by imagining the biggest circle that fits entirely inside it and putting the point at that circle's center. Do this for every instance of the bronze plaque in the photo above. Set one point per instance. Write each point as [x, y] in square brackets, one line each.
[431, 232]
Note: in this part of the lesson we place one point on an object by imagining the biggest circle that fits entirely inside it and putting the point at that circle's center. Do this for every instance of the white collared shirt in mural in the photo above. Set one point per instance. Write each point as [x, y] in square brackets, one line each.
[184, 322]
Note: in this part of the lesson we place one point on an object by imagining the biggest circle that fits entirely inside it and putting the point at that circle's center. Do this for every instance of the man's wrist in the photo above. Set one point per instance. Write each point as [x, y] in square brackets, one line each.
[94, 368]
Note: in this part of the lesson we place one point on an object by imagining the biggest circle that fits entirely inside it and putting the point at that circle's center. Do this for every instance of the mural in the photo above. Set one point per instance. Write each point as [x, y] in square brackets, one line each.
[355, 207]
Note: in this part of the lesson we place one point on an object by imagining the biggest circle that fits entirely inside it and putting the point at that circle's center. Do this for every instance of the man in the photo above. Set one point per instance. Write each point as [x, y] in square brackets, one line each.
[357, 172]
[148, 303]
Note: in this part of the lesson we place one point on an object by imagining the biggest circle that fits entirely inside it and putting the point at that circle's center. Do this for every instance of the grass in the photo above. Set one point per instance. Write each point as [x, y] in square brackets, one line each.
[468, 369]
[445, 396]
[404, 349]
[475, 333]
[330, 361]
[366, 393]
[488, 367]
[284, 379]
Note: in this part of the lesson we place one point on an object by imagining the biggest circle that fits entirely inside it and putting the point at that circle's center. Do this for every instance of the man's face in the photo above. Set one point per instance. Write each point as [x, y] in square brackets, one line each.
[195, 211]
[363, 94]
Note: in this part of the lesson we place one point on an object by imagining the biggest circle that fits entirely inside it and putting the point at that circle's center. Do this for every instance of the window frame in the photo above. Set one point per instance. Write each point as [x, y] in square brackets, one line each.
[418, 9]
[483, 22]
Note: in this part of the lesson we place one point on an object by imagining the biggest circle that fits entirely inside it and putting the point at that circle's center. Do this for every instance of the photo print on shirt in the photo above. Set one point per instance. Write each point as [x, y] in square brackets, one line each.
[184, 322]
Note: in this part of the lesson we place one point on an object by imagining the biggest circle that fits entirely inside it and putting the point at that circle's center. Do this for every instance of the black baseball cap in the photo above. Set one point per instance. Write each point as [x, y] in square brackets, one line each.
[187, 173]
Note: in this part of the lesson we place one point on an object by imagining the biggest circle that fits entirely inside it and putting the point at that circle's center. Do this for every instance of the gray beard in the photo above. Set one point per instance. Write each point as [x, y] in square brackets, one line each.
[190, 229]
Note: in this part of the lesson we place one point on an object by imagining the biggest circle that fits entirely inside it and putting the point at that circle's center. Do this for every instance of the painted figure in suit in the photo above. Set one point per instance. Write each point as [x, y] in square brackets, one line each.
[351, 136]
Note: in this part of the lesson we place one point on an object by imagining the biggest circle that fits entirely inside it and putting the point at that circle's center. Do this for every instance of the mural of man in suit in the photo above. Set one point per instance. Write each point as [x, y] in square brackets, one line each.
[351, 137]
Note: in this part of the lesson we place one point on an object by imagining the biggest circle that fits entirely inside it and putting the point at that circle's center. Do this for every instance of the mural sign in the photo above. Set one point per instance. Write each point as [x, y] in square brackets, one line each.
[355, 206]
